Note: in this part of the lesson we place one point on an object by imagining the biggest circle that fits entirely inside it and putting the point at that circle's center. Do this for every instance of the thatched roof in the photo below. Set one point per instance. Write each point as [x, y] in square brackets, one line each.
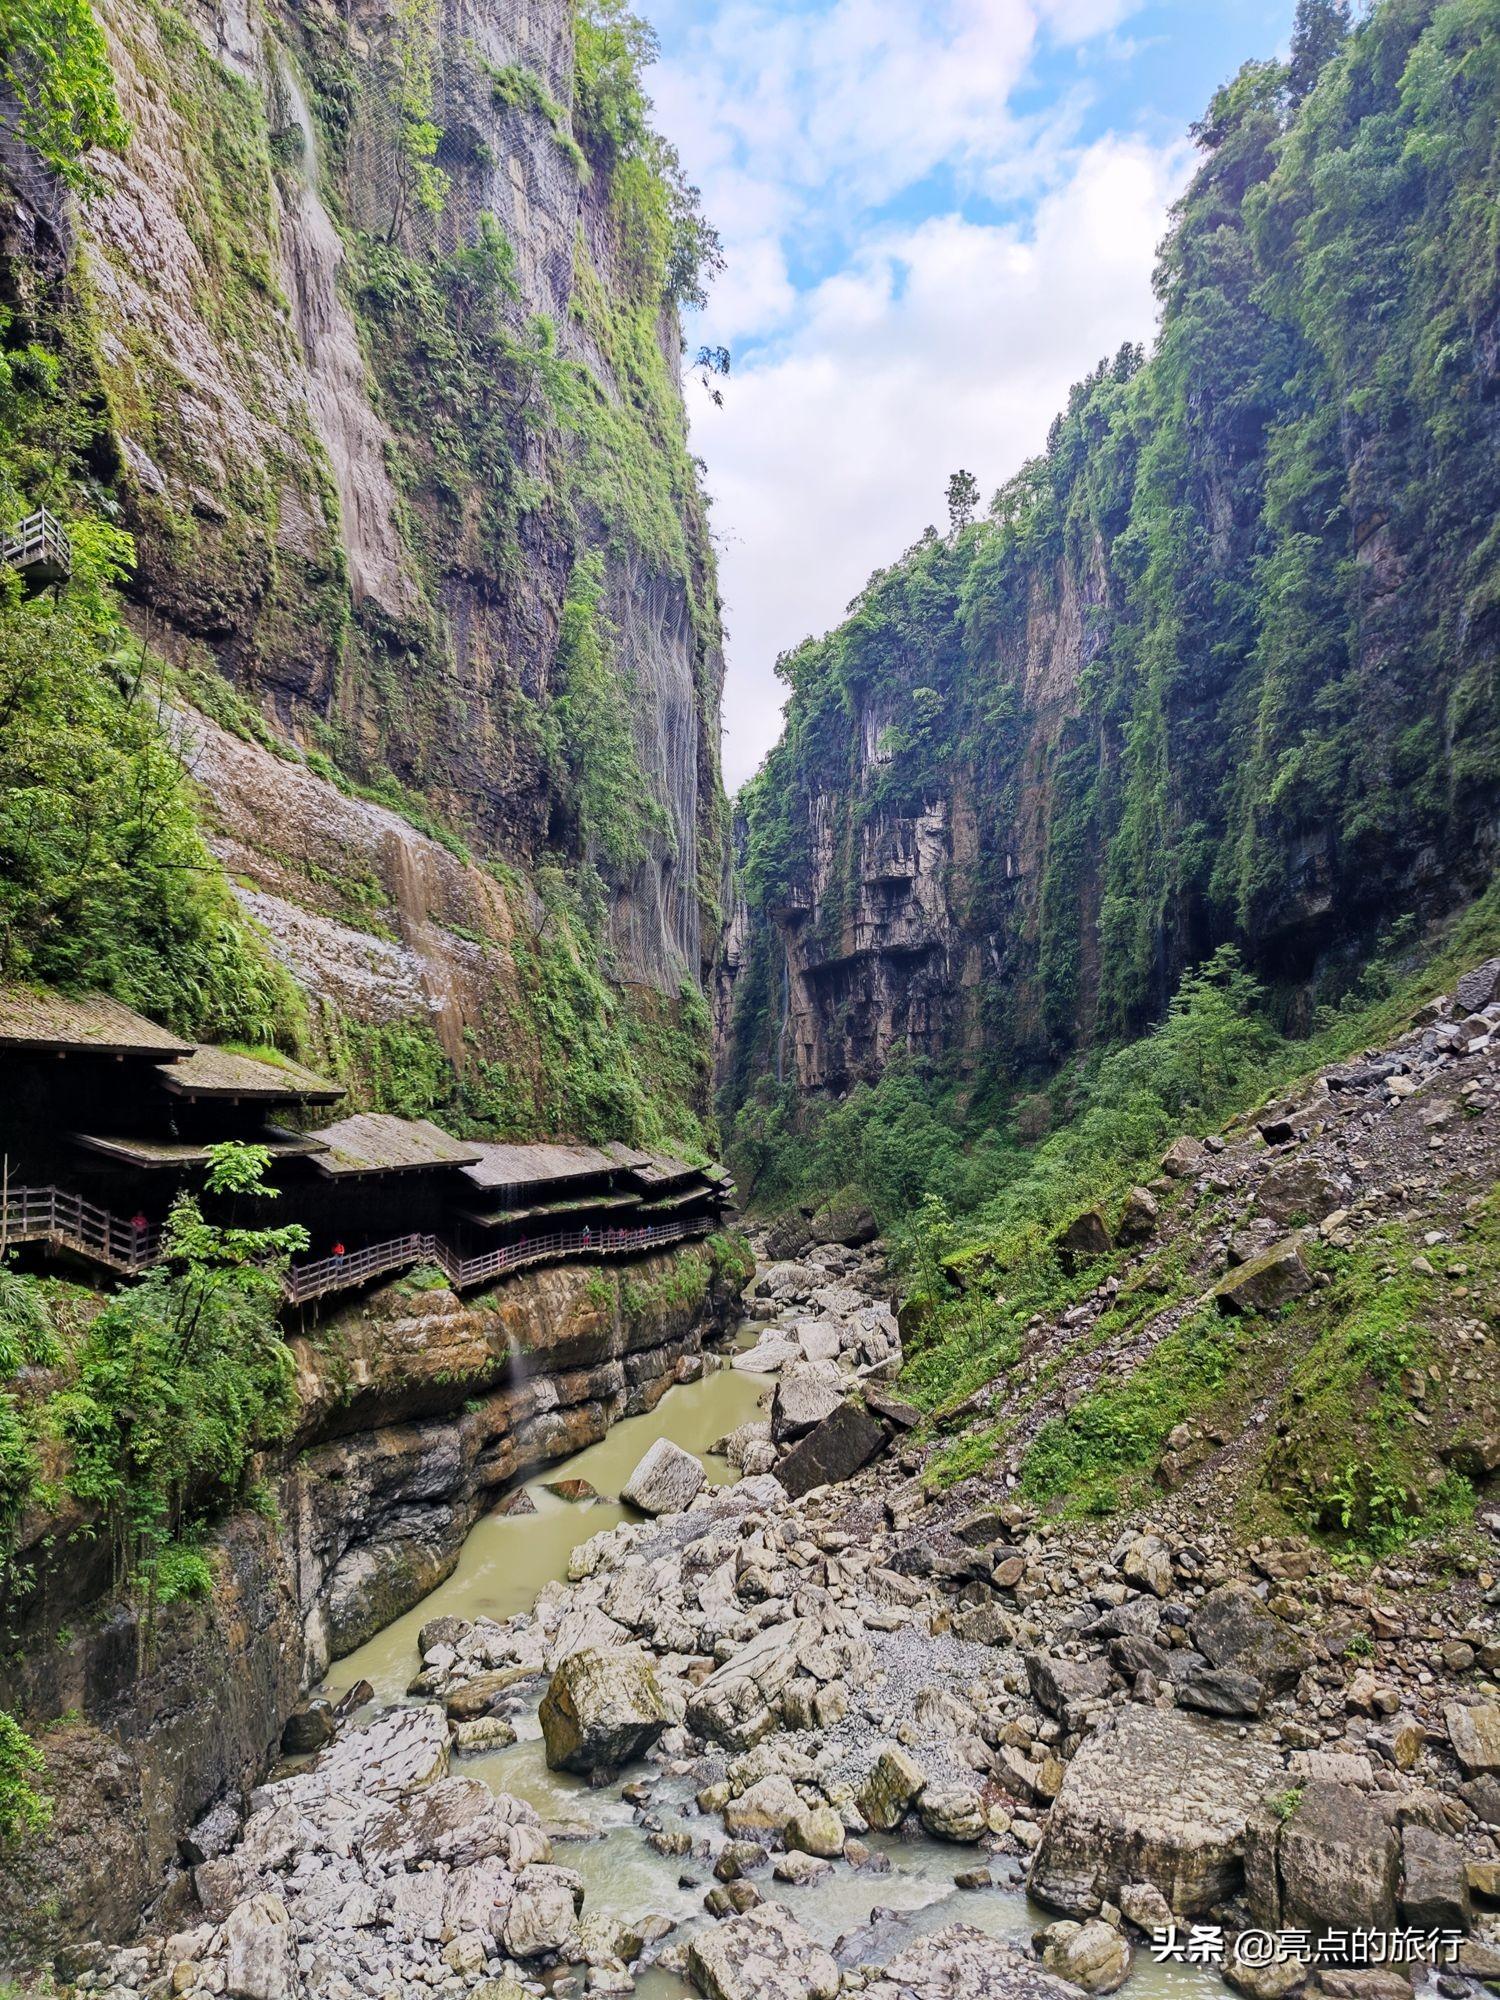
[375, 1143]
[536, 1165]
[220, 1073]
[176, 1153]
[88, 1023]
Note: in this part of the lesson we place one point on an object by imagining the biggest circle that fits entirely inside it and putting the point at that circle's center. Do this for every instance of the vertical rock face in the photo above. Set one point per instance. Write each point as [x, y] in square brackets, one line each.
[399, 440]
[1220, 665]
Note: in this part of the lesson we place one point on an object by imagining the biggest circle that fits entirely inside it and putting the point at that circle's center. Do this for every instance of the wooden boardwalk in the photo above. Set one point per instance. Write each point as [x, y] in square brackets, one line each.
[67, 1222]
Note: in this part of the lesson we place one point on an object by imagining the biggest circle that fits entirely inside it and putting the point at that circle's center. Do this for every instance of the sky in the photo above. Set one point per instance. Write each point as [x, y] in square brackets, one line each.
[937, 215]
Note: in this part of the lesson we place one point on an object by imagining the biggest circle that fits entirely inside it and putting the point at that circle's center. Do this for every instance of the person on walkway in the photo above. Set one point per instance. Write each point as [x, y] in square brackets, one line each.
[139, 1230]
[338, 1250]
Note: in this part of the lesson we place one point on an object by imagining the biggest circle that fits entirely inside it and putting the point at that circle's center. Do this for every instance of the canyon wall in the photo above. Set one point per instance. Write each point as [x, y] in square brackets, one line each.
[1219, 667]
[415, 1409]
[367, 336]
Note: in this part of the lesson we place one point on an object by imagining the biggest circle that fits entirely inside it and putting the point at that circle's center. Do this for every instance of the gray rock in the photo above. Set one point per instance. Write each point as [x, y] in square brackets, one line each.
[1155, 1796]
[601, 1709]
[891, 1789]
[666, 1480]
[808, 1392]
[1183, 1158]
[1474, 1732]
[1478, 989]
[736, 1705]
[962, 1963]
[1233, 1629]
[1266, 1281]
[1434, 1888]
[260, 1959]
[832, 1451]
[763, 1955]
[1222, 1691]
[1094, 1955]
[1333, 1861]
[1139, 1217]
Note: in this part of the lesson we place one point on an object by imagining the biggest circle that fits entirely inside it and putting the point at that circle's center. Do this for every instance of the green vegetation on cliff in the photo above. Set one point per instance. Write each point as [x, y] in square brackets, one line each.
[489, 673]
[1221, 665]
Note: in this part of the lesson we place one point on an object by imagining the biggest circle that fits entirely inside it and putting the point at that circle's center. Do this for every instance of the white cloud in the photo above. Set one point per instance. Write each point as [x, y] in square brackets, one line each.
[953, 343]
[875, 355]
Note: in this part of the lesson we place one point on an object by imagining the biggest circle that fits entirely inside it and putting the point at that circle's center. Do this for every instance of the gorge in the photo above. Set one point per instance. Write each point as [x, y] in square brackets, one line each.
[442, 1551]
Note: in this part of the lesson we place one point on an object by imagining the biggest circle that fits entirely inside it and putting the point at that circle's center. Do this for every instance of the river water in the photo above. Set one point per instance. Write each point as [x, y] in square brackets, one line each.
[506, 1561]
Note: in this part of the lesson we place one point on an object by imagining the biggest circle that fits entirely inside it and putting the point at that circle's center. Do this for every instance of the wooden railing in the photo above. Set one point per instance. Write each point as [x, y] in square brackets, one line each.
[39, 543]
[52, 1215]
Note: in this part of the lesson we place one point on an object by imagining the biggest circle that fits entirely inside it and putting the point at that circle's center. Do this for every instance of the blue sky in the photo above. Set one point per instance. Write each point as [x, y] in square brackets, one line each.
[936, 217]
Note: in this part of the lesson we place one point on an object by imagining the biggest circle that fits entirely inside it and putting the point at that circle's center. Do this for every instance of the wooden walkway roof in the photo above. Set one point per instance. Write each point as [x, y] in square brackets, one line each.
[157, 1153]
[222, 1075]
[514, 1166]
[86, 1023]
[373, 1142]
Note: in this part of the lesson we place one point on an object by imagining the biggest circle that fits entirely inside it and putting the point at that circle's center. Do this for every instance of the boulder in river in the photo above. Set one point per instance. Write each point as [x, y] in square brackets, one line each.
[666, 1480]
[763, 1955]
[601, 1709]
[963, 1960]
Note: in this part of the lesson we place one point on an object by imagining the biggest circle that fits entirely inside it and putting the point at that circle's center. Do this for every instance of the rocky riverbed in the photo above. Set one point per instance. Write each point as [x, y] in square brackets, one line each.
[792, 1692]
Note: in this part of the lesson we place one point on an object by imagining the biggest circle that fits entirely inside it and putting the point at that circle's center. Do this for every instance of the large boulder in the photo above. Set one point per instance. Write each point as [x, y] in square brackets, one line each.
[736, 1705]
[1434, 1883]
[1067, 1689]
[601, 1709]
[844, 1222]
[1475, 991]
[1086, 1238]
[543, 1913]
[763, 1955]
[832, 1451]
[808, 1392]
[1183, 1157]
[260, 1956]
[1154, 1796]
[1233, 1630]
[1139, 1216]
[1266, 1281]
[890, 1789]
[1474, 1733]
[1094, 1955]
[666, 1480]
[1298, 1190]
[1334, 1860]
[962, 1963]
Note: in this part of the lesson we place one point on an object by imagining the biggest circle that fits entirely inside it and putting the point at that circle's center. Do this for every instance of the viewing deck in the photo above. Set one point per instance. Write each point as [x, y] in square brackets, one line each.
[40, 551]
[66, 1221]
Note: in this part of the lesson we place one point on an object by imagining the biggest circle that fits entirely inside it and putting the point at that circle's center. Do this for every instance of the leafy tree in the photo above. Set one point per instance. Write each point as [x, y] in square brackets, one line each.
[54, 62]
[23, 1810]
[104, 877]
[1318, 33]
[963, 500]
[181, 1376]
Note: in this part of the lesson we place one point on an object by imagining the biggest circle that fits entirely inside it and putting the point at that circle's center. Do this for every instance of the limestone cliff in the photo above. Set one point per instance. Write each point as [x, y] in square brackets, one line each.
[367, 335]
[1220, 667]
